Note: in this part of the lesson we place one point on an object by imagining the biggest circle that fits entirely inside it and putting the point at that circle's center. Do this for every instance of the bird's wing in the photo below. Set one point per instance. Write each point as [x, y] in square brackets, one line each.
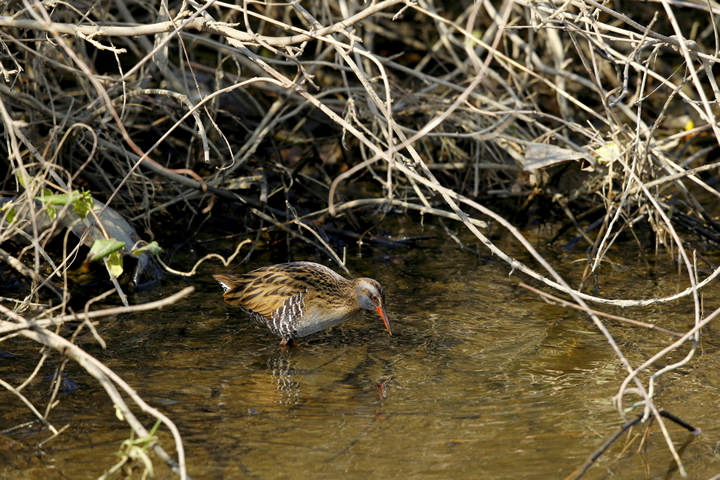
[262, 291]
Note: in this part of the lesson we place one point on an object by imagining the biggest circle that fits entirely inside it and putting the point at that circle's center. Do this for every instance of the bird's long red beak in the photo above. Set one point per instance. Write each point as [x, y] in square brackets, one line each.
[381, 311]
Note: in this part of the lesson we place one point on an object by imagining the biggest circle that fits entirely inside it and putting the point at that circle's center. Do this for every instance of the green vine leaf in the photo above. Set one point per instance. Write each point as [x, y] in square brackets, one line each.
[152, 248]
[103, 248]
[115, 263]
[83, 203]
[46, 197]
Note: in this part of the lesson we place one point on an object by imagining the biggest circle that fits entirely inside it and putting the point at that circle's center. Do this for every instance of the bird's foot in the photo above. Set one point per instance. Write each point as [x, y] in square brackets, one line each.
[287, 343]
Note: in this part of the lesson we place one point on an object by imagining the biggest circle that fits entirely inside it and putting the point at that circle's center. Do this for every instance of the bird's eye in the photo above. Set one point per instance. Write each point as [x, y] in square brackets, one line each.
[375, 300]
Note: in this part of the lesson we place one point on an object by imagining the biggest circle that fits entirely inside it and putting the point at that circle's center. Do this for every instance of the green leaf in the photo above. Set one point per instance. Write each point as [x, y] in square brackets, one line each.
[11, 212]
[608, 153]
[51, 212]
[21, 180]
[154, 429]
[102, 248]
[152, 248]
[49, 198]
[118, 413]
[83, 204]
[476, 35]
[115, 264]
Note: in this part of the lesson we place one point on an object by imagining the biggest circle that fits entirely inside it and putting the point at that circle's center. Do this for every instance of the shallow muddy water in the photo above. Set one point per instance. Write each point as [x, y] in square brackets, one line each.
[480, 379]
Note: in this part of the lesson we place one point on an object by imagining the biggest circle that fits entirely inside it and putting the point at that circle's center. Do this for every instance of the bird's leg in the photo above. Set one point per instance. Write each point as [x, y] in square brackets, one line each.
[287, 343]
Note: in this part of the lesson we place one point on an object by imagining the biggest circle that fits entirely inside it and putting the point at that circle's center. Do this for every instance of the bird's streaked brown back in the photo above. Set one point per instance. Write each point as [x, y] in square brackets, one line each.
[265, 290]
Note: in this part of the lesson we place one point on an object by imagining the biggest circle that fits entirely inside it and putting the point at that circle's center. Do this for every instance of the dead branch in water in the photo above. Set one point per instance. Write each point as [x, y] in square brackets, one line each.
[112, 383]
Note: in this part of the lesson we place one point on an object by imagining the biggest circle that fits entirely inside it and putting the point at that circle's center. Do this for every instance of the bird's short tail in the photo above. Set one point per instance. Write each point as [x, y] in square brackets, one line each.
[224, 281]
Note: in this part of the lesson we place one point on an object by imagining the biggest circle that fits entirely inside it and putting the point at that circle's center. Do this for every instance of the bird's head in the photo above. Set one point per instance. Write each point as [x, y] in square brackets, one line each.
[371, 296]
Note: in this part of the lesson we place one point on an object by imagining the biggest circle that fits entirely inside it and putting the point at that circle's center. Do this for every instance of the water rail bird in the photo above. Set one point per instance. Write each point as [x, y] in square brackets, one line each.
[299, 298]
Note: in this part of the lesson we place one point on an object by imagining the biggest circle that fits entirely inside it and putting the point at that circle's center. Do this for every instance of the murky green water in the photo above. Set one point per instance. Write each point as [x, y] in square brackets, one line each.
[480, 380]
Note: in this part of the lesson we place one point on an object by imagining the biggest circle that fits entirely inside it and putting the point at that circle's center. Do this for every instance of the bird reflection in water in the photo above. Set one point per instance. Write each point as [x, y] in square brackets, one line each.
[285, 377]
